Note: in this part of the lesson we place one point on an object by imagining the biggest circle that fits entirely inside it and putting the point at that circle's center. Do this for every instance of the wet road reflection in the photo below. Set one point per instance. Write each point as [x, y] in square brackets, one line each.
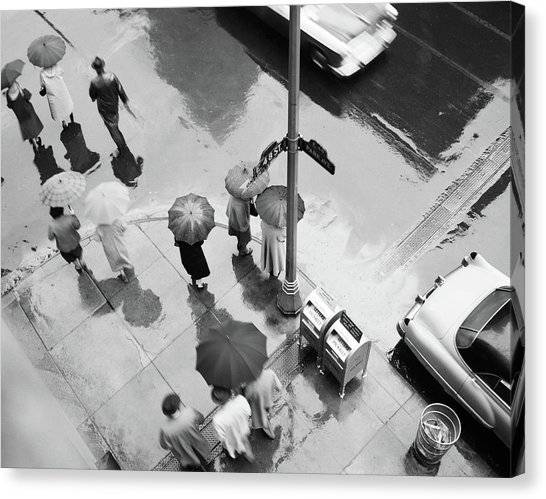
[44, 159]
[404, 96]
[81, 158]
[204, 64]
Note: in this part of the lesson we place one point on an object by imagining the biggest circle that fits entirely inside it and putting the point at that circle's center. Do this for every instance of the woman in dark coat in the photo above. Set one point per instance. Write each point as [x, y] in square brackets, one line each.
[18, 100]
[194, 262]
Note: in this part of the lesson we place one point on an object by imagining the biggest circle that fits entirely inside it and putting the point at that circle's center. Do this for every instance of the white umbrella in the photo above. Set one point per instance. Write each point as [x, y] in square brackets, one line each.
[107, 202]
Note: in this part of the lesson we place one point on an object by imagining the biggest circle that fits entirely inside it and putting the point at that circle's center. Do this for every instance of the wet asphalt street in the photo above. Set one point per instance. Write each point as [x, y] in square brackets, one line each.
[209, 89]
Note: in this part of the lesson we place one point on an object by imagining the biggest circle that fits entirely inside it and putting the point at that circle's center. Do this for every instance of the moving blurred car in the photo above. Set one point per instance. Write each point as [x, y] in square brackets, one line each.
[468, 331]
[338, 37]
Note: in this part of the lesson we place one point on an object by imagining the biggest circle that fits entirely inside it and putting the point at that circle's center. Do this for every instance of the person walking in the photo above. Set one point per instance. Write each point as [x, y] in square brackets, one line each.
[260, 395]
[18, 100]
[273, 250]
[64, 229]
[238, 213]
[59, 99]
[180, 434]
[194, 262]
[107, 90]
[112, 237]
[231, 422]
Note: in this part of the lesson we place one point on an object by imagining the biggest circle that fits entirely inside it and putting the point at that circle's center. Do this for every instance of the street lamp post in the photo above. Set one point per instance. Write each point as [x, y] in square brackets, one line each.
[289, 300]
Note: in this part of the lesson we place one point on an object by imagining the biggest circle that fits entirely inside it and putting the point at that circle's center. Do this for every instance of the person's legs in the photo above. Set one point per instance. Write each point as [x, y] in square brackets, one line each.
[248, 454]
[112, 126]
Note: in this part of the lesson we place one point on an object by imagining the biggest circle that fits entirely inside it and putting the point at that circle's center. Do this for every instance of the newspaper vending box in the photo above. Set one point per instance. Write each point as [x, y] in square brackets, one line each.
[346, 351]
[318, 312]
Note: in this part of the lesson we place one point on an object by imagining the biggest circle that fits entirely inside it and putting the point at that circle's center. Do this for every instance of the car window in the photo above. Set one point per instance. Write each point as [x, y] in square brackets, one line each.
[498, 386]
[495, 351]
[481, 315]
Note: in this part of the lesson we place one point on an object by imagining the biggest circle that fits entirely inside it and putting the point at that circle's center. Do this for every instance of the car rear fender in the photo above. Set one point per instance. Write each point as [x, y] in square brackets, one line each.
[477, 402]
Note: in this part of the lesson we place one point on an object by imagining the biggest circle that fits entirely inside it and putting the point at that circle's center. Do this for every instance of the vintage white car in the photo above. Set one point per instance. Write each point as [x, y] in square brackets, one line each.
[338, 37]
[468, 331]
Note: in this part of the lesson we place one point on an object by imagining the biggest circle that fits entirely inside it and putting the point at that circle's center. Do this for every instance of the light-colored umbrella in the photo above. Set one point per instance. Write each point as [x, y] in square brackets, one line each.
[11, 71]
[271, 205]
[46, 51]
[238, 182]
[191, 218]
[62, 189]
[107, 202]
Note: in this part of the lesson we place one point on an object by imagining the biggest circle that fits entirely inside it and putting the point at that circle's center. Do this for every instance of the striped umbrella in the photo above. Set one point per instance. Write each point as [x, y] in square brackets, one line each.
[62, 189]
[271, 205]
[46, 51]
[191, 218]
[238, 178]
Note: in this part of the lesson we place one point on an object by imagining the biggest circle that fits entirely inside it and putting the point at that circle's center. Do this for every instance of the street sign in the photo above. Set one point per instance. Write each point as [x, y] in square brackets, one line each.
[268, 155]
[318, 153]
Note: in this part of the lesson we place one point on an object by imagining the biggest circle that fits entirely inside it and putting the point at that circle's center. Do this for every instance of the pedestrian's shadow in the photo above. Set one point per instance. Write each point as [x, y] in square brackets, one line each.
[126, 167]
[82, 160]
[45, 162]
[259, 290]
[140, 307]
[205, 320]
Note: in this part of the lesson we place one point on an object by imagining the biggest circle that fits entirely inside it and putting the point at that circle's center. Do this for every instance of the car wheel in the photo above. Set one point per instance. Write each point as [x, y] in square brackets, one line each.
[318, 58]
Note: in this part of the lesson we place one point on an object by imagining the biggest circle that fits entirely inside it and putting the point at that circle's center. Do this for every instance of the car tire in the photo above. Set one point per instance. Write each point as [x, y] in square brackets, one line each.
[318, 58]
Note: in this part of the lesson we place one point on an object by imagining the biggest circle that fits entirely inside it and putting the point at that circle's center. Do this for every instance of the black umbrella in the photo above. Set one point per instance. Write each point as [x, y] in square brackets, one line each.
[231, 354]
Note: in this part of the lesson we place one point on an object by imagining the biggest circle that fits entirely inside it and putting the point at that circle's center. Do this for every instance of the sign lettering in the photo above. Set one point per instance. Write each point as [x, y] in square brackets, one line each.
[313, 149]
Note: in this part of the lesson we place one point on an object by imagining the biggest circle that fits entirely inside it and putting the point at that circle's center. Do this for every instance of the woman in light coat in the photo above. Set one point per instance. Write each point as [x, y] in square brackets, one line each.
[113, 242]
[260, 395]
[53, 86]
[273, 250]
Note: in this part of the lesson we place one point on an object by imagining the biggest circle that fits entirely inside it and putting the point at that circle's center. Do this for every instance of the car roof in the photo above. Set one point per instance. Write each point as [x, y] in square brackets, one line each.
[450, 304]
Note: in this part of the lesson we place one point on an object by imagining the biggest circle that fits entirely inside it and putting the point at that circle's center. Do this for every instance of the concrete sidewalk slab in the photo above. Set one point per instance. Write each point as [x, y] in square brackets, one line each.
[157, 307]
[176, 363]
[59, 302]
[43, 362]
[99, 357]
[131, 419]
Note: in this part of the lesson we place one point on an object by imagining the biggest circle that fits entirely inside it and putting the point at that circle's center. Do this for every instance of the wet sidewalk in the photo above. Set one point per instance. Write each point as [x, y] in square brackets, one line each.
[110, 351]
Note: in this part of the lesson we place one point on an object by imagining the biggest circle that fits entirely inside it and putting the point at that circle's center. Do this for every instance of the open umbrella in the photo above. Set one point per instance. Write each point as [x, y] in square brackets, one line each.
[46, 51]
[191, 218]
[107, 202]
[238, 178]
[62, 189]
[231, 354]
[11, 71]
[271, 205]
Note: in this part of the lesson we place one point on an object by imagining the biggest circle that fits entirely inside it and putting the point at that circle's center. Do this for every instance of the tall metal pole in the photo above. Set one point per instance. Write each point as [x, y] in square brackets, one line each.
[288, 299]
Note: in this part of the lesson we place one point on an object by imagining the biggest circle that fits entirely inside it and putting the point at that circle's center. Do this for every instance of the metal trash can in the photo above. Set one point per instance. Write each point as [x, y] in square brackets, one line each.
[439, 428]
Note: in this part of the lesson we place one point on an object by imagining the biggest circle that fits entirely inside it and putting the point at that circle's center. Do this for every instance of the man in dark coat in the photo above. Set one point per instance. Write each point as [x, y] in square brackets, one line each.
[180, 434]
[106, 89]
